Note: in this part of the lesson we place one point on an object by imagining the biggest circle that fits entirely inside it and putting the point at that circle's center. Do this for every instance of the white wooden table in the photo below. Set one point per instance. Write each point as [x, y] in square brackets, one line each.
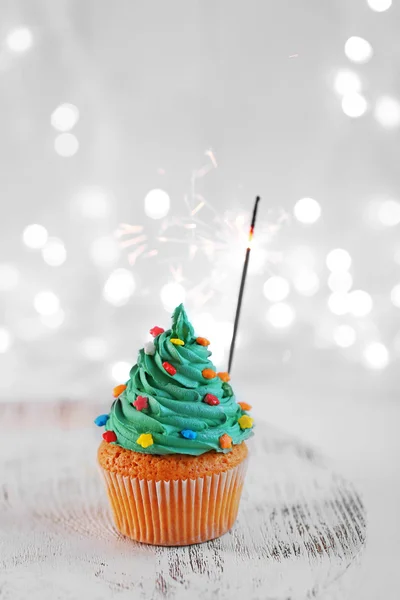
[300, 527]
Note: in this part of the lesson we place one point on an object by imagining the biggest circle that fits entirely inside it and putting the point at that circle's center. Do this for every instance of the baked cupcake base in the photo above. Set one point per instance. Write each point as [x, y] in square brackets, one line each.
[173, 500]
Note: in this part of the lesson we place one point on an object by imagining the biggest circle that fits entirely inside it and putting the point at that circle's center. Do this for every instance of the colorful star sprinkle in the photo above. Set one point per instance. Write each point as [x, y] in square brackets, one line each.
[149, 348]
[245, 422]
[245, 406]
[224, 376]
[109, 436]
[117, 391]
[145, 440]
[202, 341]
[211, 399]
[225, 441]
[177, 342]
[155, 331]
[169, 368]
[141, 402]
[189, 434]
[208, 373]
[101, 420]
[228, 391]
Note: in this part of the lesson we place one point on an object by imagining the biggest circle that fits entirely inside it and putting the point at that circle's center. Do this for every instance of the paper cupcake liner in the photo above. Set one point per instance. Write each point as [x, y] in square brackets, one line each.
[175, 513]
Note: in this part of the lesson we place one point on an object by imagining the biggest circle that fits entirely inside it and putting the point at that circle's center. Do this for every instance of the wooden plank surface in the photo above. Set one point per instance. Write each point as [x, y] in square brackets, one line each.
[300, 527]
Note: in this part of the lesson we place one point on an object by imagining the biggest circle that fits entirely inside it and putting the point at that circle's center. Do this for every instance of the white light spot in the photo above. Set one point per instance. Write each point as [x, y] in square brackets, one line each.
[280, 315]
[379, 5]
[104, 251]
[94, 348]
[53, 321]
[354, 105]
[35, 236]
[92, 202]
[9, 277]
[172, 294]
[347, 82]
[387, 112]
[119, 287]
[376, 356]
[344, 336]
[276, 288]
[306, 282]
[395, 295]
[389, 213]
[338, 303]
[307, 210]
[5, 340]
[157, 204]
[203, 324]
[360, 303]
[20, 39]
[64, 117]
[358, 50]
[66, 145]
[54, 252]
[340, 281]
[120, 371]
[46, 303]
[338, 260]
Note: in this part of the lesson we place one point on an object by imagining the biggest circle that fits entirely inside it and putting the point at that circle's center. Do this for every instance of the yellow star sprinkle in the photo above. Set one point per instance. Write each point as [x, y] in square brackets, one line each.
[145, 440]
[177, 342]
[245, 422]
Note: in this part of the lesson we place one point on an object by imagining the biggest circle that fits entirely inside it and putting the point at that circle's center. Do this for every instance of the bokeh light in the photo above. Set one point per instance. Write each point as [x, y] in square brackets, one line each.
[360, 303]
[354, 105]
[53, 321]
[94, 348]
[5, 340]
[66, 145]
[347, 82]
[172, 294]
[276, 288]
[120, 371]
[389, 213]
[395, 295]
[54, 252]
[340, 281]
[9, 277]
[46, 303]
[307, 210]
[379, 5]
[387, 112]
[119, 287]
[344, 336]
[376, 355]
[280, 315]
[35, 236]
[92, 202]
[104, 251]
[64, 117]
[339, 303]
[306, 282]
[19, 39]
[338, 260]
[157, 204]
[358, 50]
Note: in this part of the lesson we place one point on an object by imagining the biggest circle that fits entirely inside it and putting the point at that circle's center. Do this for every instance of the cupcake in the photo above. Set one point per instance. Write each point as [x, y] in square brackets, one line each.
[173, 454]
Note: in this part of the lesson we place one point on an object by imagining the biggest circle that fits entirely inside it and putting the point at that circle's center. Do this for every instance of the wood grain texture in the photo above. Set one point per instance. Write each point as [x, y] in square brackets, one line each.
[300, 527]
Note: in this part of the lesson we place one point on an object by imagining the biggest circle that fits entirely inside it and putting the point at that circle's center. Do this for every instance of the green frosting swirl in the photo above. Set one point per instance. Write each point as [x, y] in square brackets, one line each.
[175, 402]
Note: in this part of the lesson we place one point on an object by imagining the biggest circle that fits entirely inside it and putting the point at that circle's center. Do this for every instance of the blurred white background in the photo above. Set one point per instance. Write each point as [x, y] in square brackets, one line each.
[134, 139]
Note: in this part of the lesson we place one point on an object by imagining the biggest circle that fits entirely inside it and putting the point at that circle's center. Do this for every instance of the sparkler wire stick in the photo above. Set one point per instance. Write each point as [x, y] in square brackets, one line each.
[242, 283]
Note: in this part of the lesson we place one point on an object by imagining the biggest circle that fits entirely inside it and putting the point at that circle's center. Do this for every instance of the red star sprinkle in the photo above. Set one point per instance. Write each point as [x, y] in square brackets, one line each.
[211, 399]
[155, 331]
[109, 436]
[169, 368]
[141, 402]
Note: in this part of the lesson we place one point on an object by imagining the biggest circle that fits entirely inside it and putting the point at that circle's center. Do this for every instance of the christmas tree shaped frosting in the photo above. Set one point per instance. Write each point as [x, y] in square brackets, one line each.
[174, 400]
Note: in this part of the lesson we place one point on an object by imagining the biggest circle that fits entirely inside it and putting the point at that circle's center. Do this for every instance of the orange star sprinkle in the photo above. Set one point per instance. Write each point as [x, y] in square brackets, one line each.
[225, 441]
[208, 373]
[245, 406]
[117, 391]
[202, 341]
[224, 376]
